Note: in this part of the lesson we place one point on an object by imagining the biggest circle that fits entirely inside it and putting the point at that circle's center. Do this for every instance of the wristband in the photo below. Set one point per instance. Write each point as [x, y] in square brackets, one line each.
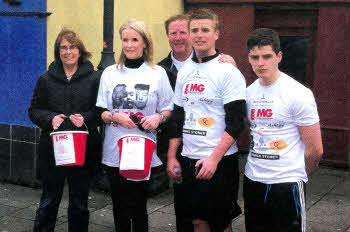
[163, 118]
[111, 113]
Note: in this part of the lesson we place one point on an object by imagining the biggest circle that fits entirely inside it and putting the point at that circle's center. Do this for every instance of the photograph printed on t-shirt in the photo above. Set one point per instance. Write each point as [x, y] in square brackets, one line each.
[130, 96]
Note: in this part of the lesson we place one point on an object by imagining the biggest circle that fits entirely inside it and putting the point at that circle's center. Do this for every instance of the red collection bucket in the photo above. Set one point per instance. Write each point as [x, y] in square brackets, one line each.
[69, 147]
[146, 148]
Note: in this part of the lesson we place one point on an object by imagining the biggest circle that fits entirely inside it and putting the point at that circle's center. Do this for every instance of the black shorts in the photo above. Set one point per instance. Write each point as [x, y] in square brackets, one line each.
[214, 200]
[274, 207]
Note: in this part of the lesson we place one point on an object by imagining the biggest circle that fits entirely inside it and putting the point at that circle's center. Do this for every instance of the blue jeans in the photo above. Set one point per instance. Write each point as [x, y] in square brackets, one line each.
[78, 179]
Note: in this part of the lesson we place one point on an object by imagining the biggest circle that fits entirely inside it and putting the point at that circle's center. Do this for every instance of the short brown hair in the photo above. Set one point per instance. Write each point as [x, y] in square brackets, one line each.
[264, 37]
[178, 17]
[204, 13]
[74, 39]
[142, 30]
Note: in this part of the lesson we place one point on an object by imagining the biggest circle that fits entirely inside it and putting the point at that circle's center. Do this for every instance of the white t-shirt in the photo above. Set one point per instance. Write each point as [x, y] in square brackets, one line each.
[180, 64]
[142, 91]
[202, 89]
[275, 112]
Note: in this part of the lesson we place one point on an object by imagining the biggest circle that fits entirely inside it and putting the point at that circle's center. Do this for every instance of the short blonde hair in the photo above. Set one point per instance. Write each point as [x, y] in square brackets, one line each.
[204, 13]
[140, 28]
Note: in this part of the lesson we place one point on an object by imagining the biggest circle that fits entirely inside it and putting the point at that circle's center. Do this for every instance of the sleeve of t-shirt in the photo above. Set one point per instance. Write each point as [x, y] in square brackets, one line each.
[102, 96]
[234, 86]
[165, 92]
[178, 90]
[304, 109]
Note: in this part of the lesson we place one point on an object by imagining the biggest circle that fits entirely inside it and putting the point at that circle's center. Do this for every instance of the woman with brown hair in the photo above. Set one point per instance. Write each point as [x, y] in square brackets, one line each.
[64, 98]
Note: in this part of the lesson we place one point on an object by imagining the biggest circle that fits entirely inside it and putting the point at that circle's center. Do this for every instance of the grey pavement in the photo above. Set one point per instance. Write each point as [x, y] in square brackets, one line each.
[328, 205]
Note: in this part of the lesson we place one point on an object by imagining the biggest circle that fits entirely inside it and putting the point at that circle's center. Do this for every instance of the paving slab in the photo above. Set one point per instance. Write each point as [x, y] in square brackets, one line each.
[102, 217]
[92, 228]
[7, 210]
[162, 200]
[321, 227]
[332, 212]
[11, 224]
[159, 221]
[29, 212]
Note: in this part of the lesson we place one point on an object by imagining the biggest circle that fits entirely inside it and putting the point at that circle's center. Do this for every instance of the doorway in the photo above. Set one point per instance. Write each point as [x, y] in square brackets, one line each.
[296, 27]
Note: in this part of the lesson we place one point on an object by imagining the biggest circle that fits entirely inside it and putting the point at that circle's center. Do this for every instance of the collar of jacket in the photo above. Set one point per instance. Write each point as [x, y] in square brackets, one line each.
[206, 58]
[167, 61]
[56, 70]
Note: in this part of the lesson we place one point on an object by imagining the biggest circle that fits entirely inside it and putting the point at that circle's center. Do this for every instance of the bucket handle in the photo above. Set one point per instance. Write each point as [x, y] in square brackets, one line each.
[87, 129]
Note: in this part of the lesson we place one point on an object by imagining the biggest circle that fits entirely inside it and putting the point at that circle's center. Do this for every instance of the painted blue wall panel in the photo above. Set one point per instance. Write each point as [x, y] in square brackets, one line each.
[22, 60]
[25, 6]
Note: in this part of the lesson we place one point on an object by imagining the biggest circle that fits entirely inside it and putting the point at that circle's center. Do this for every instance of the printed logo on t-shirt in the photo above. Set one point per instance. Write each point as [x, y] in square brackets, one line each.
[194, 88]
[277, 145]
[205, 100]
[260, 113]
[190, 120]
[206, 121]
[265, 156]
[194, 132]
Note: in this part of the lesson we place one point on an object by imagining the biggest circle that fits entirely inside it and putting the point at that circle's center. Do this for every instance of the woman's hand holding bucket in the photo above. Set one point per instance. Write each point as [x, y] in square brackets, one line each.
[124, 120]
[77, 119]
[57, 121]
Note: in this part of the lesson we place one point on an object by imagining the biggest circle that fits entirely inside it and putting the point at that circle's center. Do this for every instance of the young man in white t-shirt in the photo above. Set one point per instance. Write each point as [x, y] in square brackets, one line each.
[178, 34]
[286, 141]
[209, 109]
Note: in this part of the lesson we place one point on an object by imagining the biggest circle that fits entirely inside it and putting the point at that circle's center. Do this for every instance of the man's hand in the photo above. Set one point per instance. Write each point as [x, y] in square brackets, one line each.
[173, 163]
[208, 169]
[223, 58]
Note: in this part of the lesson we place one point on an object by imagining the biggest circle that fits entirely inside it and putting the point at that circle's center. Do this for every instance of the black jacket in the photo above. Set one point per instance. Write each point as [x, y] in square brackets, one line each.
[163, 135]
[170, 69]
[54, 95]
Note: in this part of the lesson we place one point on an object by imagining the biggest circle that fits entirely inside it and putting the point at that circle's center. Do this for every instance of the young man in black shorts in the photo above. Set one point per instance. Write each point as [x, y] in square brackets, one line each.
[209, 109]
[286, 141]
[177, 31]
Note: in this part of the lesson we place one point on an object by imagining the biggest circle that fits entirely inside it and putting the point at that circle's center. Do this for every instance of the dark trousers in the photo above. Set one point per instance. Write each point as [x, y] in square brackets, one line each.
[53, 183]
[129, 199]
[274, 207]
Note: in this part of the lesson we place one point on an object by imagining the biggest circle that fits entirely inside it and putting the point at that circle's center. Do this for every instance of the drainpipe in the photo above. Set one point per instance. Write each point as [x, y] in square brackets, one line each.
[107, 57]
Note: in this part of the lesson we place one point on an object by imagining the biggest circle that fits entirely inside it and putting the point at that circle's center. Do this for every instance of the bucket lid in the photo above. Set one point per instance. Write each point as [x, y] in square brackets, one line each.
[68, 132]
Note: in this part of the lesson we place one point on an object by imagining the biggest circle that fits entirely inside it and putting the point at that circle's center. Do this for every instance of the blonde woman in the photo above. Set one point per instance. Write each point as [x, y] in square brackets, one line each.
[134, 98]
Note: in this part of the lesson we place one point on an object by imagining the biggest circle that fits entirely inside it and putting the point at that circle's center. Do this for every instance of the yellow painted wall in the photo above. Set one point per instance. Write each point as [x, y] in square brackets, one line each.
[86, 18]
[153, 13]
[83, 16]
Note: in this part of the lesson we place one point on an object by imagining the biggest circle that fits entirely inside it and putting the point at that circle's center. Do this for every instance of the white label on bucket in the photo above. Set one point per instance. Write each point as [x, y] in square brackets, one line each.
[64, 148]
[133, 153]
